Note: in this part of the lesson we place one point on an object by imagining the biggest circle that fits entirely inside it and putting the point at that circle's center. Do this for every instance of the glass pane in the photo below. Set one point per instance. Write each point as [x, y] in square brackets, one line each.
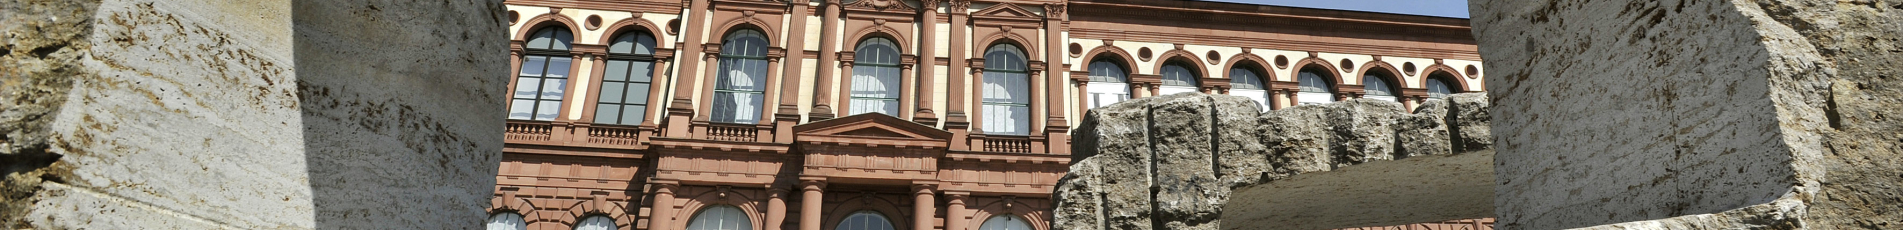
[533, 65]
[637, 93]
[622, 44]
[1005, 222]
[644, 44]
[526, 87]
[1177, 75]
[617, 70]
[607, 113]
[596, 223]
[558, 67]
[507, 221]
[641, 71]
[520, 109]
[542, 38]
[633, 114]
[1374, 85]
[546, 110]
[562, 38]
[743, 108]
[1241, 78]
[552, 88]
[720, 217]
[1313, 83]
[611, 92]
[1104, 71]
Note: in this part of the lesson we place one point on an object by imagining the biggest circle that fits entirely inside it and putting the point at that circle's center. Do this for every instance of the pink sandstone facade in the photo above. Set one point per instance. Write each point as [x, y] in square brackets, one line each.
[895, 114]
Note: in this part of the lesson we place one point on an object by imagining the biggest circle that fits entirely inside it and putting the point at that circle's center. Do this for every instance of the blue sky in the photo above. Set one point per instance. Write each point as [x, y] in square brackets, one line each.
[1442, 8]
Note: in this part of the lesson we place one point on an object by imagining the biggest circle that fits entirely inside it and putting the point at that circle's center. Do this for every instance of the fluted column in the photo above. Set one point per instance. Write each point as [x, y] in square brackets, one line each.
[681, 108]
[928, 56]
[828, 57]
[788, 112]
[922, 206]
[810, 203]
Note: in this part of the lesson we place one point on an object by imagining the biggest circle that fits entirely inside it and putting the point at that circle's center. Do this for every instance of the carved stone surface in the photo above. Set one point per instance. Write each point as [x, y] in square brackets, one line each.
[1189, 150]
[233, 114]
[1774, 114]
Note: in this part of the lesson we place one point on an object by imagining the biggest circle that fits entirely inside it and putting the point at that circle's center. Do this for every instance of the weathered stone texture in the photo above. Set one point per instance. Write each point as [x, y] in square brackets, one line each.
[1424, 132]
[1467, 114]
[1170, 162]
[210, 114]
[1364, 130]
[1620, 111]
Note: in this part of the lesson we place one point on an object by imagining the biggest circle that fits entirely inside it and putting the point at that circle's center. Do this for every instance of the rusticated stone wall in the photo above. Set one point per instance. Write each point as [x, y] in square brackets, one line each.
[1196, 161]
[1695, 114]
[131, 114]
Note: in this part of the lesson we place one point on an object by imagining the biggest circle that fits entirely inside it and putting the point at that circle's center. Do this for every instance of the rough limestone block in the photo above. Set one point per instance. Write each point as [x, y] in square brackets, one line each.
[1079, 199]
[1716, 114]
[1297, 139]
[1423, 133]
[1468, 121]
[1240, 156]
[233, 114]
[1188, 193]
[1364, 130]
[1115, 140]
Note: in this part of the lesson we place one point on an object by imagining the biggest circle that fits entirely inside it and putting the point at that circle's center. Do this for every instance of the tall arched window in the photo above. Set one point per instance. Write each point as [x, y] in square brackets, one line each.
[1375, 85]
[544, 75]
[875, 77]
[627, 79]
[720, 217]
[1108, 83]
[1244, 82]
[740, 90]
[1438, 89]
[1314, 89]
[1007, 90]
[865, 220]
[1005, 222]
[507, 221]
[1177, 78]
[597, 222]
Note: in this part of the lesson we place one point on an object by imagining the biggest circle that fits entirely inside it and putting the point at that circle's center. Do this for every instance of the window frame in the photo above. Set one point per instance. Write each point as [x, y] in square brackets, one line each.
[984, 100]
[521, 221]
[1096, 87]
[1327, 85]
[1194, 78]
[1389, 84]
[1260, 86]
[898, 75]
[584, 219]
[547, 54]
[841, 225]
[724, 59]
[1008, 217]
[633, 56]
[745, 219]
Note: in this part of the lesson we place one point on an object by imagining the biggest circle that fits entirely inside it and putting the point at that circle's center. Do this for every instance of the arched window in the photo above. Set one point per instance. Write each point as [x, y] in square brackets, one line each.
[875, 77]
[544, 75]
[1314, 89]
[1375, 85]
[1007, 90]
[597, 222]
[629, 75]
[865, 220]
[720, 217]
[1177, 78]
[740, 90]
[507, 221]
[1108, 82]
[1005, 222]
[1438, 89]
[1244, 82]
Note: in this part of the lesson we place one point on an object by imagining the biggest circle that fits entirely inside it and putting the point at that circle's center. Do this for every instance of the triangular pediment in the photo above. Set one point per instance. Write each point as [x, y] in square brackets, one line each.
[872, 125]
[1006, 10]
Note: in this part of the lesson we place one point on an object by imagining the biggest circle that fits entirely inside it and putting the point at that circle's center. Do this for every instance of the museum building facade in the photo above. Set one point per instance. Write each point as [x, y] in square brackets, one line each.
[895, 114]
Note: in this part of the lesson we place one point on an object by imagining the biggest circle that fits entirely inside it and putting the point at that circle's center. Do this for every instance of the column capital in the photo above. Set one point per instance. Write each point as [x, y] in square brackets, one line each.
[924, 188]
[812, 184]
[666, 187]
